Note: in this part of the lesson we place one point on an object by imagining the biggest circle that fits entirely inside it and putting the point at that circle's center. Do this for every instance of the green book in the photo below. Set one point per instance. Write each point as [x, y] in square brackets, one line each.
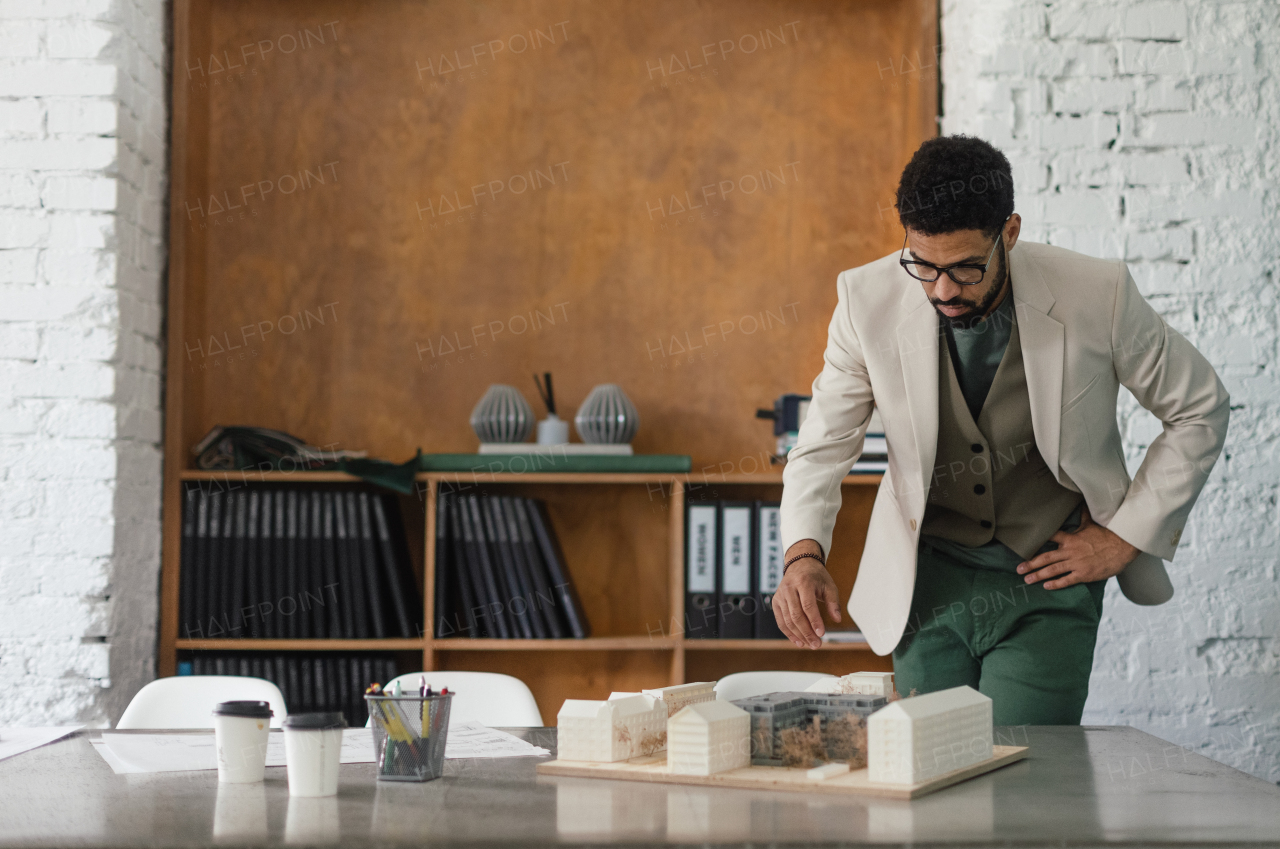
[521, 463]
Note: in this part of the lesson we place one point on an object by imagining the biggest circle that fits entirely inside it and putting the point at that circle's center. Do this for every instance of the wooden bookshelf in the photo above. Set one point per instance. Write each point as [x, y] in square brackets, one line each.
[847, 98]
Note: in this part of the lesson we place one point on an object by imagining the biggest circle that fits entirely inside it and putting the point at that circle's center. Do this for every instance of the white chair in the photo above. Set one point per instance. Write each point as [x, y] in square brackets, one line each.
[488, 698]
[187, 701]
[744, 685]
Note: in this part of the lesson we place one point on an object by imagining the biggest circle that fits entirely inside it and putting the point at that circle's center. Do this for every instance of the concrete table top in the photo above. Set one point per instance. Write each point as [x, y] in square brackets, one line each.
[1089, 786]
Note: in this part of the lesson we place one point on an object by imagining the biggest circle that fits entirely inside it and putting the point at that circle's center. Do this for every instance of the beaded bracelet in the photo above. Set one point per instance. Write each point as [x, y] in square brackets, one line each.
[800, 556]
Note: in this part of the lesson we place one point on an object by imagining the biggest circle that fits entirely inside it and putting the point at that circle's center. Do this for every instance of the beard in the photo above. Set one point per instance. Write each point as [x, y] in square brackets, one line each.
[977, 309]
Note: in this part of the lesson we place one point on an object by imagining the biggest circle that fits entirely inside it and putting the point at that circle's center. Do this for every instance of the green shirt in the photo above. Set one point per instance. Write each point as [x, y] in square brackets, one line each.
[976, 352]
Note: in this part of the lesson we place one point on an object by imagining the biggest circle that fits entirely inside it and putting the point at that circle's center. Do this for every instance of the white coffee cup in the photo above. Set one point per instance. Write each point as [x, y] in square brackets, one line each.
[240, 731]
[312, 745]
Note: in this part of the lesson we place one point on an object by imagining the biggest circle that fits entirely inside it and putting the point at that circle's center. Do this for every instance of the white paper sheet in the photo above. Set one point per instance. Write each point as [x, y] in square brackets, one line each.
[473, 740]
[131, 753]
[126, 753]
[15, 741]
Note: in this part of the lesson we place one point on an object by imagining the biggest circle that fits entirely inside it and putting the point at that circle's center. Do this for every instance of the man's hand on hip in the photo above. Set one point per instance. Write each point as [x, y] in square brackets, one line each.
[798, 602]
[1089, 553]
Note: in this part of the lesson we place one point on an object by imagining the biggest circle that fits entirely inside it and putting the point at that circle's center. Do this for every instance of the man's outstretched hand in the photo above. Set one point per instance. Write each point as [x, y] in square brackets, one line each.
[1089, 553]
[805, 589]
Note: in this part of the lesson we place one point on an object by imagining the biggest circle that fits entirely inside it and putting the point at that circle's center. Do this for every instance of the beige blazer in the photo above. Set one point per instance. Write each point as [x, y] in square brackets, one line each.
[1084, 330]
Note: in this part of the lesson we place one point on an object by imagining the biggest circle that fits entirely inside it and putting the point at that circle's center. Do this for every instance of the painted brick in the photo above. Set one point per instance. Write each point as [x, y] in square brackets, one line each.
[1155, 169]
[77, 39]
[59, 154]
[18, 266]
[79, 268]
[22, 230]
[1182, 129]
[1163, 95]
[1081, 96]
[66, 77]
[1173, 243]
[84, 116]
[96, 193]
[1165, 21]
[21, 118]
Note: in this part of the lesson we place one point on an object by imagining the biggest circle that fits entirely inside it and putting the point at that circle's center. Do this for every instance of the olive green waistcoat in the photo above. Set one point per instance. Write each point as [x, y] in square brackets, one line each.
[989, 480]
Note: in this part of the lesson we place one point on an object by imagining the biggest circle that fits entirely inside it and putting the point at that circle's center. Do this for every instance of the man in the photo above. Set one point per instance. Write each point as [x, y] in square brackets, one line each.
[995, 367]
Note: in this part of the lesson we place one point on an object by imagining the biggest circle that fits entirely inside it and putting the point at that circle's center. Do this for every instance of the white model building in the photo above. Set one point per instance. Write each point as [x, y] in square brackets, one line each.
[611, 730]
[912, 740]
[855, 684]
[681, 695]
[708, 737]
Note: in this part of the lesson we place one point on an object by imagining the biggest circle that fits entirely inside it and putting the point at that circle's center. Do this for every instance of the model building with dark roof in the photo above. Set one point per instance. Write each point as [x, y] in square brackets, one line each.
[807, 729]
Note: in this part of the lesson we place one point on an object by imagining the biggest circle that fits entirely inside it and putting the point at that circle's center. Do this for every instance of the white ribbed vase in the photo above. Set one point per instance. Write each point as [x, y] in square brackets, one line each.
[607, 417]
[502, 415]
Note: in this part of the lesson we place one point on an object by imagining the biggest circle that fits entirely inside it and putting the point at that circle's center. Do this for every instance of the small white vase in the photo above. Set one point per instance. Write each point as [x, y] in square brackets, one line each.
[607, 416]
[553, 430]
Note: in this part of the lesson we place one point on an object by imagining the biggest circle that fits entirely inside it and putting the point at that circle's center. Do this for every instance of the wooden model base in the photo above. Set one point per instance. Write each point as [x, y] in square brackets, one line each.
[654, 768]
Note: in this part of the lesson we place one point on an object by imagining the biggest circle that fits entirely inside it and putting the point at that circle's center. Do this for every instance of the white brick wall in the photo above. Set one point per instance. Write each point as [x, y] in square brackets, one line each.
[1151, 130]
[83, 136]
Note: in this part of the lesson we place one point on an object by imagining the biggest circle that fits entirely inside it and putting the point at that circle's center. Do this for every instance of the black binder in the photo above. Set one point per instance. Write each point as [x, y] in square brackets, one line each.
[396, 572]
[702, 536]
[288, 602]
[514, 598]
[332, 582]
[735, 571]
[478, 555]
[544, 597]
[768, 563]
[239, 567]
[313, 600]
[346, 570]
[525, 570]
[553, 558]
[207, 600]
[355, 557]
[465, 574]
[280, 565]
[441, 600]
[374, 595]
[253, 567]
[186, 594]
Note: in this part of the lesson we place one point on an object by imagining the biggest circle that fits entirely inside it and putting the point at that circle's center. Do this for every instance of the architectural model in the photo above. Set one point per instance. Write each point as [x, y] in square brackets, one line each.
[912, 740]
[808, 729]
[612, 730]
[708, 737]
[856, 683]
[681, 695]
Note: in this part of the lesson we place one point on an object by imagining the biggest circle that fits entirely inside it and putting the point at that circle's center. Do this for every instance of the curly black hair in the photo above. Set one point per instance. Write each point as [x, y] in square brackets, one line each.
[955, 183]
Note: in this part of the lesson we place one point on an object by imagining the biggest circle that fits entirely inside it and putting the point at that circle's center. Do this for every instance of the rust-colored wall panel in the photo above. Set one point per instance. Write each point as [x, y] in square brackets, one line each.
[339, 150]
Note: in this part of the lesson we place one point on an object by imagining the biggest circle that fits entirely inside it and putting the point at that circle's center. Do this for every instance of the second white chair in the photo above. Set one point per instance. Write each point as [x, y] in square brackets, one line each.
[744, 685]
[488, 698]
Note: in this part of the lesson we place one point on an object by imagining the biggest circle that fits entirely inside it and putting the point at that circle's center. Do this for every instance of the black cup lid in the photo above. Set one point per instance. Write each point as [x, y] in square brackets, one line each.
[253, 710]
[315, 721]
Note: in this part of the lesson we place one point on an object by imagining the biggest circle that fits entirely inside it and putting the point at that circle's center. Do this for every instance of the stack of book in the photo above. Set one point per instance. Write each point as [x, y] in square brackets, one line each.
[733, 565]
[500, 572]
[295, 563]
[332, 681]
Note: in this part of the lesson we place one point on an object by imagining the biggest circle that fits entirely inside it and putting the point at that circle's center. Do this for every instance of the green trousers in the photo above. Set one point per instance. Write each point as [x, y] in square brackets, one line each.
[975, 621]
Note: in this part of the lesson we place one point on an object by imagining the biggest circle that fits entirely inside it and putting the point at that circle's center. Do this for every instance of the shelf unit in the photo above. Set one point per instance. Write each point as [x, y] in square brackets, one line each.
[633, 644]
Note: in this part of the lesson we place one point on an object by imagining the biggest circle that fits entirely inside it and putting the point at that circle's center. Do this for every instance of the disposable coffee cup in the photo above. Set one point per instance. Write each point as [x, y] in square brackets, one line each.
[312, 745]
[240, 731]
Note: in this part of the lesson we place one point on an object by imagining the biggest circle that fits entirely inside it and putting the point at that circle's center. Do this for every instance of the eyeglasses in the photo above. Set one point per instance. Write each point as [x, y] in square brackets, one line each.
[965, 274]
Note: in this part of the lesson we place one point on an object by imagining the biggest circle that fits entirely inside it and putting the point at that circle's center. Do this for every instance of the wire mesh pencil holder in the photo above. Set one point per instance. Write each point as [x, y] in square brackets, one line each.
[409, 735]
